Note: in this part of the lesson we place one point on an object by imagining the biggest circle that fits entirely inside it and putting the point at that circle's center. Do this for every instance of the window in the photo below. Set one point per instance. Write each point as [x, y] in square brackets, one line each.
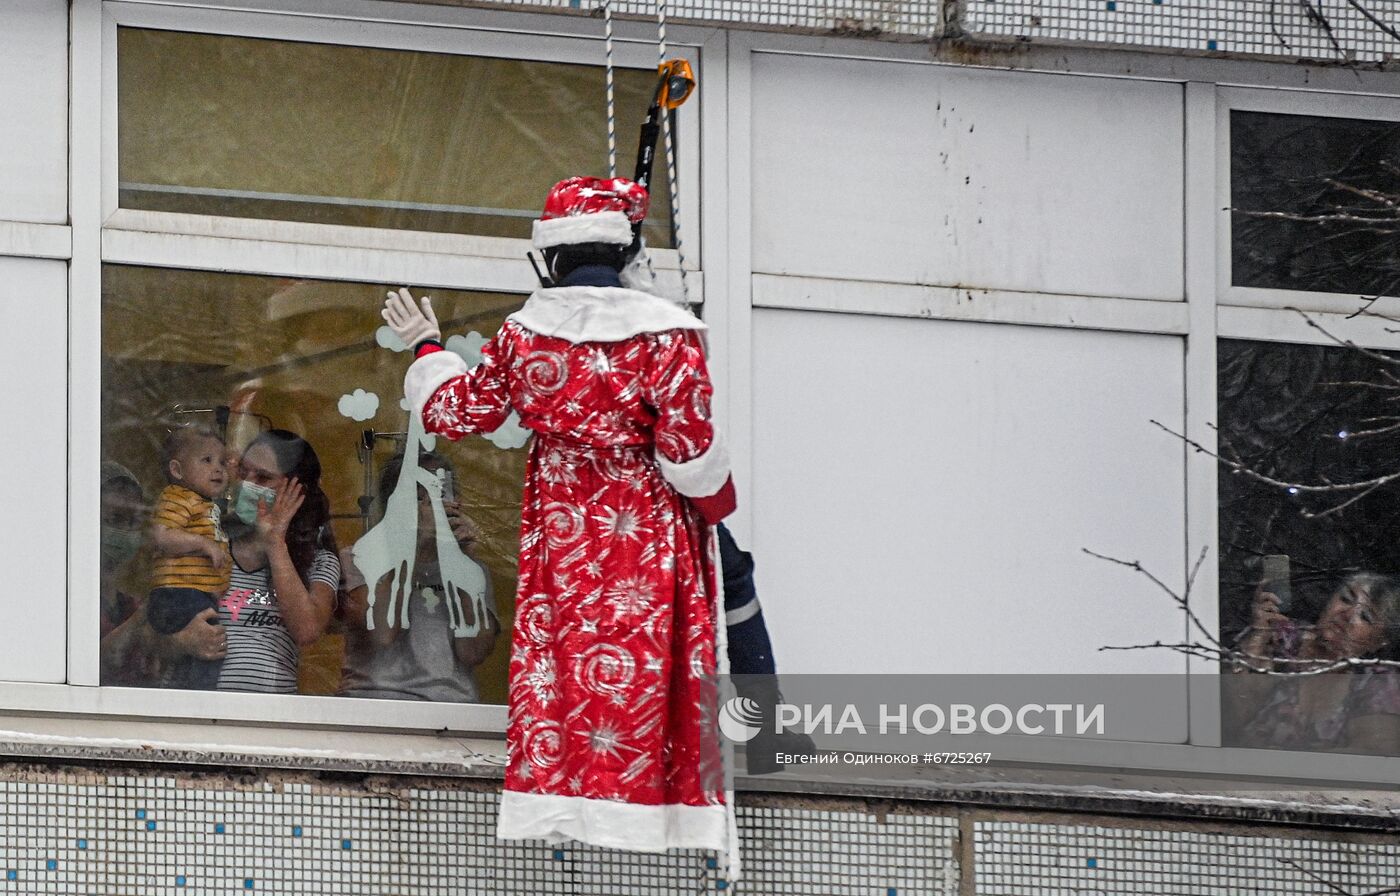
[1305, 427]
[1313, 203]
[294, 140]
[239, 356]
[296, 131]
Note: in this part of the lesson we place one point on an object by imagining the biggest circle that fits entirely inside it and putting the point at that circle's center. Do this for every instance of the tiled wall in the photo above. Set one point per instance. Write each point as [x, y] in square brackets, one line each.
[80, 831]
[1282, 28]
[1023, 859]
[1264, 27]
[77, 831]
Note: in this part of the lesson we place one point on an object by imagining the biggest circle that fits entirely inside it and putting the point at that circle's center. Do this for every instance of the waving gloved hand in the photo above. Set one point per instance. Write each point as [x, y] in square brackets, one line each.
[412, 324]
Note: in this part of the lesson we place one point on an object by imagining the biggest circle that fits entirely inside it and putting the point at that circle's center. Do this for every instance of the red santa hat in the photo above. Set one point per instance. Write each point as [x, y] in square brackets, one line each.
[590, 210]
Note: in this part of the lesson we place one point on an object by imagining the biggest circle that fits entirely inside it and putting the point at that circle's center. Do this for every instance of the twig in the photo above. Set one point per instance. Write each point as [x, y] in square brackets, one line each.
[1372, 19]
[1182, 600]
[1326, 26]
[1335, 888]
[1363, 488]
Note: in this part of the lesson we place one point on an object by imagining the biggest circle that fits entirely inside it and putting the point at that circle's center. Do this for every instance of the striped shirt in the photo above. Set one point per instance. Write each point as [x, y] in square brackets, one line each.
[179, 508]
[262, 657]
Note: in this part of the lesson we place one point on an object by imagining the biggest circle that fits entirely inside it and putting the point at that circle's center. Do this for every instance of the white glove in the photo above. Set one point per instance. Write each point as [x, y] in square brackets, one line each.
[409, 323]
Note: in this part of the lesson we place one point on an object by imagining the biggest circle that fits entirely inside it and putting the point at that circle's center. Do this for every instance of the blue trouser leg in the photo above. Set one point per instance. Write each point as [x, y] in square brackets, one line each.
[750, 651]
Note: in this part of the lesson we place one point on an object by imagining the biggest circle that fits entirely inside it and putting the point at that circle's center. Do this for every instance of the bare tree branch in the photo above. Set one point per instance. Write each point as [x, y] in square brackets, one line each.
[1215, 651]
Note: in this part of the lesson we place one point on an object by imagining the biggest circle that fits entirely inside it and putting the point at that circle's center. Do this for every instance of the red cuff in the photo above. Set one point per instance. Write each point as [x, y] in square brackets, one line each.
[719, 505]
[426, 348]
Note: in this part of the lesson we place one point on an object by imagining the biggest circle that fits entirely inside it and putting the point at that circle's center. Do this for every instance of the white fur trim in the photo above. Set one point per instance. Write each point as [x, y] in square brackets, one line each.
[733, 865]
[598, 227]
[701, 476]
[610, 823]
[601, 314]
[427, 374]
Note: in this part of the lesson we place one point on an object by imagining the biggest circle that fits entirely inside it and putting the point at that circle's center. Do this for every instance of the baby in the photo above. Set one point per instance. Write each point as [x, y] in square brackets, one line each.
[192, 557]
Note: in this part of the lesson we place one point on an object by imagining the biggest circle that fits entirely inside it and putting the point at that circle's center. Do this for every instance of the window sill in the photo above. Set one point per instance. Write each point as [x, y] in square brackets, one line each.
[245, 746]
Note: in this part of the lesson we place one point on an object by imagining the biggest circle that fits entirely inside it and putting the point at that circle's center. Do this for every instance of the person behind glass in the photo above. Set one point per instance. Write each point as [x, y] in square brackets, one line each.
[131, 651]
[427, 660]
[285, 571]
[1357, 709]
[192, 555]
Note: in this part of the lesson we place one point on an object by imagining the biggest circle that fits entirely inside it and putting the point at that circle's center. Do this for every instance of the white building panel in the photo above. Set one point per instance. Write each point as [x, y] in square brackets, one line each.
[923, 492]
[34, 460]
[928, 174]
[34, 109]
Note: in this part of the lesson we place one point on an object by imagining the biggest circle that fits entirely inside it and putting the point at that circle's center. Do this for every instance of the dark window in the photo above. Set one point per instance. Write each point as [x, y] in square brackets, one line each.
[1316, 420]
[1314, 203]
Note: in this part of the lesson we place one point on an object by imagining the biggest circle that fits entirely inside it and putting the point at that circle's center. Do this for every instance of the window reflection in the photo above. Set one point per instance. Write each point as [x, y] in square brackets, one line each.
[1313, 203]
[302, 384]
[1308, 562]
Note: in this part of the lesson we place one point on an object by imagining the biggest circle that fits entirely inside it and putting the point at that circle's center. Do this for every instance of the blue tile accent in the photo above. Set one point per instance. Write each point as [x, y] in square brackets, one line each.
[711, 863]
[82, 844]
[1112, 5]
[1210, 45]
[179, 880]
[891, 892]
[219, 828]
[345, 844]
[559, 855]
[247, 883]
[721, 885]
[51, 864]
[1093, 863]
[12, 874]
[140, 813]
[150, 825]
[296, 830]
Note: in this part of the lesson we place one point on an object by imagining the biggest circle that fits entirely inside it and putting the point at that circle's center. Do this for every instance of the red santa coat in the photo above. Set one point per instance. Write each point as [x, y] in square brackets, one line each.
[612, 737]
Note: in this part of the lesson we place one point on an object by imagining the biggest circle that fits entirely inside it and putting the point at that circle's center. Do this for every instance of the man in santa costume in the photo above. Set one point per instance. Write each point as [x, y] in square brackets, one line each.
[612, 737]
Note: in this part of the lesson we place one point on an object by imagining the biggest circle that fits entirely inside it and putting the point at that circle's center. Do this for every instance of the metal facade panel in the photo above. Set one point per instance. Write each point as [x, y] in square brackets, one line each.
[926, 174]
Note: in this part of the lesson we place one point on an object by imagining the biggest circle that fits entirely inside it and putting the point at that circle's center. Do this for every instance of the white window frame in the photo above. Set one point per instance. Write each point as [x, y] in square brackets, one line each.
[106, 234]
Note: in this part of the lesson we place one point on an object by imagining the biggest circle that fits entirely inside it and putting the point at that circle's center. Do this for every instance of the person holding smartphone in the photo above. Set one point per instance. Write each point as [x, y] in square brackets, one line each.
[1353, 706]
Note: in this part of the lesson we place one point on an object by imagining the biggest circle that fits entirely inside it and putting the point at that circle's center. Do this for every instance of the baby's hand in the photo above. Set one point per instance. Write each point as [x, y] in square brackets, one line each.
[216, 552]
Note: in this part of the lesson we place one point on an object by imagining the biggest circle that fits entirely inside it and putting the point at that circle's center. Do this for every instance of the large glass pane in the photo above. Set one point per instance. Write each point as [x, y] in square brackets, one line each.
[239, 359]
[1308, 552]
[218, 125]
[1314, 203]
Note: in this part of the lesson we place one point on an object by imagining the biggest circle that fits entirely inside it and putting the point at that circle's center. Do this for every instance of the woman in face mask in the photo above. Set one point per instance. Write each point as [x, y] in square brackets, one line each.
[129, 645]
[285, 570]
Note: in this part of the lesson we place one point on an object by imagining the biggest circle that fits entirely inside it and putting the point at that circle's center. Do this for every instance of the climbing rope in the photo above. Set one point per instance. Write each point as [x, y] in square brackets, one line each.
[668, 142]
[612, 111]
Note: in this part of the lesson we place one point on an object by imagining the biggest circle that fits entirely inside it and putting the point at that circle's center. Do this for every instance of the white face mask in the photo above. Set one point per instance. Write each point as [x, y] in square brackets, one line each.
[246, 499]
